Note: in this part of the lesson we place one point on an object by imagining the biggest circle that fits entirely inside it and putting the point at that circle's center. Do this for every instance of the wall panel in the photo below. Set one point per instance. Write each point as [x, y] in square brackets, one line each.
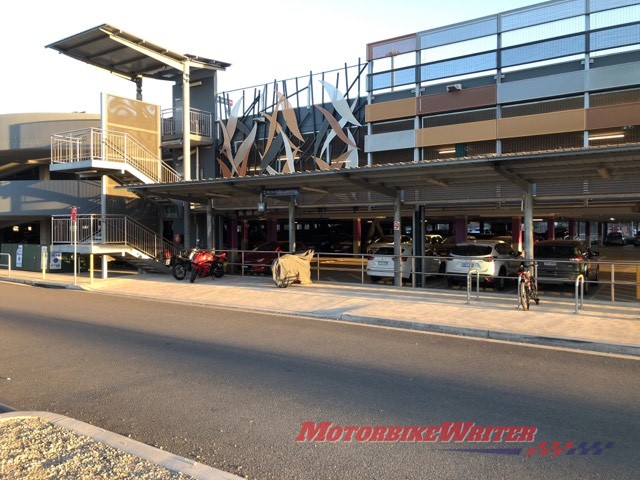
[389, 141]
[543, 124]
[613, 116]
[458, 100]
[377, 112]
[534, 88]
[452, 134]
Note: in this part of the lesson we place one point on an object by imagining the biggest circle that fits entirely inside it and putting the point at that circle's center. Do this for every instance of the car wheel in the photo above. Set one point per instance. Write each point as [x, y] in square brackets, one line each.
[451, 282]
[501, 282]
[374, 279]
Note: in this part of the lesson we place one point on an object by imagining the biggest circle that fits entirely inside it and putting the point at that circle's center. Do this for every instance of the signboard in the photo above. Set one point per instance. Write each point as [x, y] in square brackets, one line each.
[55, 262]
[19, 257]
[396, 225]
[281, 192]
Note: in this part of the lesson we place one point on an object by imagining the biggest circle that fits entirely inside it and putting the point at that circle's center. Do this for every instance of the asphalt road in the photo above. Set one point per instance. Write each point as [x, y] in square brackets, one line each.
[232, 389]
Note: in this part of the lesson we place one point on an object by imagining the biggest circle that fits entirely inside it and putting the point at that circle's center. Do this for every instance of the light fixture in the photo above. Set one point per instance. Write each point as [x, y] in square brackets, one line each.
[454, 88]
[447, 150]
[607, 136]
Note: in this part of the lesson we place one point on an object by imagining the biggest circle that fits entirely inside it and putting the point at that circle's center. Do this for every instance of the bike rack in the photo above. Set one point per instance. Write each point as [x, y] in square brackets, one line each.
[469, 285]
[580, 291]
[8, 265]
[518, 293]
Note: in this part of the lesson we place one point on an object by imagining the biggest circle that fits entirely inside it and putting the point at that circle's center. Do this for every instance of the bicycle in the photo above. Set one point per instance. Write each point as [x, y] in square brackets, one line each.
[527, 289]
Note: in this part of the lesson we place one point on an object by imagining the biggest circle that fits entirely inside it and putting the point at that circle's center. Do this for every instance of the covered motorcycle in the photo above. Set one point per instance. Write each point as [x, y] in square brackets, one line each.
[292, 268]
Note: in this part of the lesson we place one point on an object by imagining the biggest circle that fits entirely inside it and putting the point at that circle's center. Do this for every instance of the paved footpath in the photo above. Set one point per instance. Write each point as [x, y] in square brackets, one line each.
[598, 326]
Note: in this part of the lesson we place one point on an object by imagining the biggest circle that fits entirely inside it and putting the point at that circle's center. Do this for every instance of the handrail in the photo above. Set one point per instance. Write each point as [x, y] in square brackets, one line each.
[111, 146]
[580, 287]
[200, 121]
[470, 284]
[8, 265]
[112, 230]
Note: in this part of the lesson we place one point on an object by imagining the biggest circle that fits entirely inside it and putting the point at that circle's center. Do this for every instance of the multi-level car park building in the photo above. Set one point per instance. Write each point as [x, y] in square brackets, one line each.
[524, 118]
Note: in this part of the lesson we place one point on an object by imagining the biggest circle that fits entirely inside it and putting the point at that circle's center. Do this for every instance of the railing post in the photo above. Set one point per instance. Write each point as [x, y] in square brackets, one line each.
[470, 285]
[579, 292]
[8, 263]
[613, 282]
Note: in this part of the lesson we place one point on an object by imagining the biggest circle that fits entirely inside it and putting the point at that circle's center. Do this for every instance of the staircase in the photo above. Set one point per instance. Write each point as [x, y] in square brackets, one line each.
[96, 150]
[115, 235]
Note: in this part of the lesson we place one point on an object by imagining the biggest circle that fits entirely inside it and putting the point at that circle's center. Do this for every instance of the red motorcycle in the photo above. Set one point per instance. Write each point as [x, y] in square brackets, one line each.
[208, 263]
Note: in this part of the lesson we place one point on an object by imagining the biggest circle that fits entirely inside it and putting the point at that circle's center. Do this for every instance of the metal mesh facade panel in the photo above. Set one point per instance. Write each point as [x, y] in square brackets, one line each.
[614, 98]
[459, 33]
[615, 37]
[631, 135]
[380, 81]
[395, 156]
[460, 49]
[537, 52]
[459, 66]
[456, 118]
[388, 127]
[542, 14]
[393, 47]
[599, 5]
[542, 143]
[473, 149]
[545, 31]
[618, 16]
[534, 108]
[404, 76]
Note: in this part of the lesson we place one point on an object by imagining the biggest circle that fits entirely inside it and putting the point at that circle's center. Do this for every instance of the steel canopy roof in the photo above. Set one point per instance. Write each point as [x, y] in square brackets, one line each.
[129, 56]
[544, 169]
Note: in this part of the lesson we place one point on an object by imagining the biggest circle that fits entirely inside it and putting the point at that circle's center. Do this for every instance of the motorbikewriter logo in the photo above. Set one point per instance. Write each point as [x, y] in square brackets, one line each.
[447, 432]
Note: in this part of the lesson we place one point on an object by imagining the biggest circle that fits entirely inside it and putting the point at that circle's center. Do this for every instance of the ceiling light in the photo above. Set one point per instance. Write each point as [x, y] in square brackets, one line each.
[607, 136]
[448, 150]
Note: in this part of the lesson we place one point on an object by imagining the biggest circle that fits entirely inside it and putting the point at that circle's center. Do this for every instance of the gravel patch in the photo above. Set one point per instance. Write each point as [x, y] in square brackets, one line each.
[36, 450]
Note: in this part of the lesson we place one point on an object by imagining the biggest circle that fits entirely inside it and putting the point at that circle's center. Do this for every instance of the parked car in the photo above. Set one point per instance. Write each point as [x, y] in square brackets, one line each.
[387, 241]
[494, 260]
[259, 260]
[445, 247]
[616, 239]
[381, 263]
[561, 261]
[432, 239]
[343, 243]
[636, 240]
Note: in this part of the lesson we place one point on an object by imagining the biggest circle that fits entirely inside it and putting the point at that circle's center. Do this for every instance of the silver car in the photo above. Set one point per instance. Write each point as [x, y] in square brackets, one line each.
[561, 261]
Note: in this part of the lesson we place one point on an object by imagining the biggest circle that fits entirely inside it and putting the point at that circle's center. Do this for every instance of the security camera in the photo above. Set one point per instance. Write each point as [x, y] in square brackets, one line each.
[454, 88]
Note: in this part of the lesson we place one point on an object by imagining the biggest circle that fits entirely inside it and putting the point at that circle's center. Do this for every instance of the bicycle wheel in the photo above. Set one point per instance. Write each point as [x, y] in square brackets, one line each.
[524, 298]
[534, 294]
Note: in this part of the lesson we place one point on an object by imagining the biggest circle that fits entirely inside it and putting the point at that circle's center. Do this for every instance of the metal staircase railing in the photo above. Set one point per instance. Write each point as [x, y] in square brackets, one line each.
[96, 144]
[111, 230]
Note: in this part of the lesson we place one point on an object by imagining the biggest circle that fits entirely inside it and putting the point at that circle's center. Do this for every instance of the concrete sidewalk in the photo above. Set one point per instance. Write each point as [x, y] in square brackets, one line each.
[599, 326]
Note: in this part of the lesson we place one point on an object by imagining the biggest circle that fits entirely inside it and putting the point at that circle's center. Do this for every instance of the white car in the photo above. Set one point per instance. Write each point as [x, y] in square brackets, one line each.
[493, 259]
[381, 263]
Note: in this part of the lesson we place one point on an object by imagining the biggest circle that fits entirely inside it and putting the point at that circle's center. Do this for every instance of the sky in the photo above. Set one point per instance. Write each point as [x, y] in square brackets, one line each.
[305, 35]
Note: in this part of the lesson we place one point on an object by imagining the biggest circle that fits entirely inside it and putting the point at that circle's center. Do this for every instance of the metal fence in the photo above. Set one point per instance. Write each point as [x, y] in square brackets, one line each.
[617, 281]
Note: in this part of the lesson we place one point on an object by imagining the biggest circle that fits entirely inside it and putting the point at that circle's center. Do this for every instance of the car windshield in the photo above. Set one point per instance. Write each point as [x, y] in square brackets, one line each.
[384, 251]
[554, 251]
[471, 250]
